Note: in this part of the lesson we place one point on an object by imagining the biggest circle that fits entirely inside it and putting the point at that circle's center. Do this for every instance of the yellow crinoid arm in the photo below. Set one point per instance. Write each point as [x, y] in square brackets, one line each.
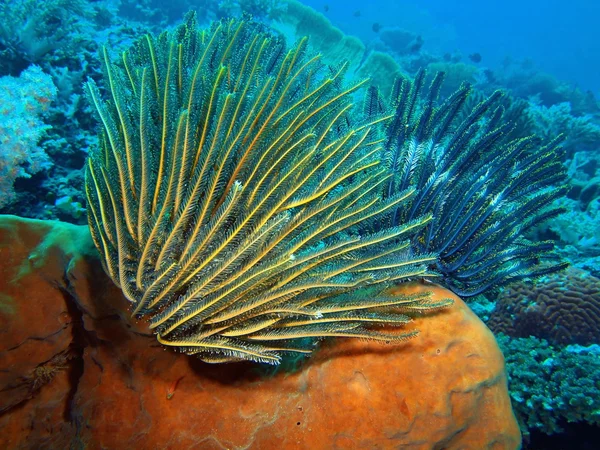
[235, 196]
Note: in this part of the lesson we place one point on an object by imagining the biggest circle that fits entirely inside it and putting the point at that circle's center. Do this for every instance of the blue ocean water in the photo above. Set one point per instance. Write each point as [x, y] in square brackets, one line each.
[559, 37]
[543, 56]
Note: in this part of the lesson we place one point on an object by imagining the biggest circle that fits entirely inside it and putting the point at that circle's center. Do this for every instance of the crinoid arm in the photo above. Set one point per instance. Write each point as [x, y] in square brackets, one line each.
[484, 188]
[229, 194]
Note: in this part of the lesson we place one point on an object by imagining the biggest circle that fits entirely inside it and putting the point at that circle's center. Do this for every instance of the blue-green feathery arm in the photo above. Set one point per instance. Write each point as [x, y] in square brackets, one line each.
[483, 189]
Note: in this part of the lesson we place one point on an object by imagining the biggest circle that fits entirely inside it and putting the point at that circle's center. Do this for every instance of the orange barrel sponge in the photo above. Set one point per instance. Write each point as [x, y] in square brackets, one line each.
[75, 371]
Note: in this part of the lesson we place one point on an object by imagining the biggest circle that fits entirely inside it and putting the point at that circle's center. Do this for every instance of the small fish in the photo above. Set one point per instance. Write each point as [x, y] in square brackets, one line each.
[357, 13]
[326, 8]
[171, 390]
[475, 57]
[376, 27]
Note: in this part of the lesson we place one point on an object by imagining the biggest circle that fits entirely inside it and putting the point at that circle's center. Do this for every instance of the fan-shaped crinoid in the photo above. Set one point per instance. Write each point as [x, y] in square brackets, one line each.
[227, 192]
[484, 189]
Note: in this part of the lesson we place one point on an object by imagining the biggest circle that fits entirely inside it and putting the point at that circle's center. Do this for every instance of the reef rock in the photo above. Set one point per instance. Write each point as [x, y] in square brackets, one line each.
[76, 371]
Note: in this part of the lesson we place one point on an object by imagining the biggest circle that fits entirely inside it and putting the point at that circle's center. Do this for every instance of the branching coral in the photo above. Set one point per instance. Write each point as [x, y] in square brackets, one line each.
[581, 131]
[227, 195]
[551, 386]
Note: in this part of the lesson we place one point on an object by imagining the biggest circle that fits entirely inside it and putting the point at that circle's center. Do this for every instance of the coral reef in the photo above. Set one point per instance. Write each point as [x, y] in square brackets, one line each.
[62, 38]
[176, 227]
[301, 20]
[580, 132]
[576, 234]
[23, 103]
[400, 41]
[30, 30]
[551, 386]
[524, 80]
[445, 389]
[563, 309]
[456, 73]
[336, 47]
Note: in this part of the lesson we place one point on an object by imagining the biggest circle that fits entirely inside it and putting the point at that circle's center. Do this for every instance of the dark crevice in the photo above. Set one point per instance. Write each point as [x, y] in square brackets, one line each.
[80, 340]
[95, 361]
[36, 338]
[575, 436]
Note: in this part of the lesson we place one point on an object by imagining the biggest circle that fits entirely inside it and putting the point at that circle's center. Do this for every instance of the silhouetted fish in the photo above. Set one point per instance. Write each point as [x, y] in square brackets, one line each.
[357, 13]
[376, 27]
[475, 57]
[326, 8]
